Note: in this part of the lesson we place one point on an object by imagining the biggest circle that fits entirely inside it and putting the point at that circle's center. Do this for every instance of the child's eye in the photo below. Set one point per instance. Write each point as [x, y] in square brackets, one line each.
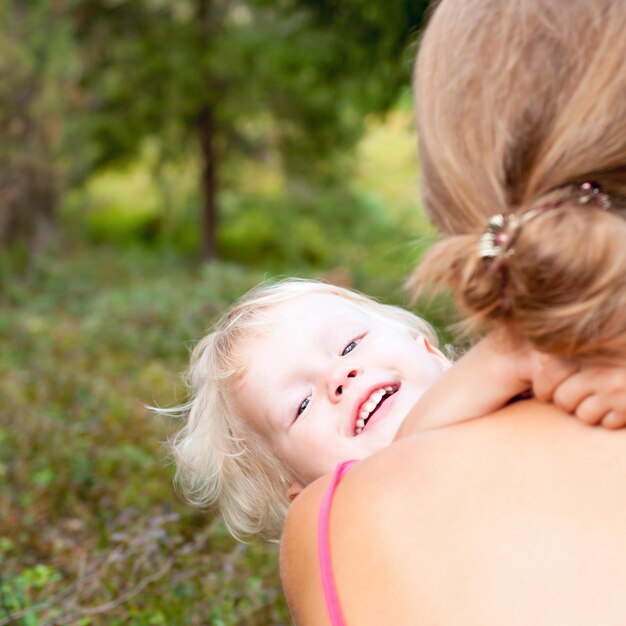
[303, 406]
[351, 346]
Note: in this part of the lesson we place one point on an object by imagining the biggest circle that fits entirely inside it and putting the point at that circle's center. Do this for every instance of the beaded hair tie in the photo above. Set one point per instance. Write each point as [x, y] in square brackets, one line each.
[503, 229]
[499, 236]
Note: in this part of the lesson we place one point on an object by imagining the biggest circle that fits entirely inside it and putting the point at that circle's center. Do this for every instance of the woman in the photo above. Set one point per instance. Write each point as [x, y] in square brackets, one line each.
[518, 517]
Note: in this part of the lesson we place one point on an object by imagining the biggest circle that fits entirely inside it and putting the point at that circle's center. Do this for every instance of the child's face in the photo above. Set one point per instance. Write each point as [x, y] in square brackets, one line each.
[324, 365]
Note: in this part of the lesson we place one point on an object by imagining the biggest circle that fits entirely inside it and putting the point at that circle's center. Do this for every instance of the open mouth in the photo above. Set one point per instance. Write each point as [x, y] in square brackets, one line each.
[372, 404]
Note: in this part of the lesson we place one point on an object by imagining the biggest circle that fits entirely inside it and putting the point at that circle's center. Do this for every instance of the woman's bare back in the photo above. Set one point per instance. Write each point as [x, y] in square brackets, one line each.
[517, 518]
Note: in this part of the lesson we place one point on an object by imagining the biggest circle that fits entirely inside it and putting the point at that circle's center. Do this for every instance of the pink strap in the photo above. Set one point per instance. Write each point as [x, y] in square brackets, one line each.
[323, 547]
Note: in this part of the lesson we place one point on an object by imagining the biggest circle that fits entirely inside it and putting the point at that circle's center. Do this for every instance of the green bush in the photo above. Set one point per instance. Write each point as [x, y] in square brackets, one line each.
[91, 530]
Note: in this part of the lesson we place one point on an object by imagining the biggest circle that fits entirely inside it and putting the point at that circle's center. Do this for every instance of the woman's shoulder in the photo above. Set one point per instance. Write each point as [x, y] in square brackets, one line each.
[366, 507]
[341, 502]
[439, 502]
[301, 523]
[299, 569]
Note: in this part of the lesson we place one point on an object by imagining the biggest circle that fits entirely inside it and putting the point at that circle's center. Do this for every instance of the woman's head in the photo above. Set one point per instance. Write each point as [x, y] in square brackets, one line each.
[518, 103]
[226, 454]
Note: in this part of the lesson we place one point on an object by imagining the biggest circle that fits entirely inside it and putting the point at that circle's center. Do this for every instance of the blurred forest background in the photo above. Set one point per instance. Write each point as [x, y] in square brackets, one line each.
[157, 159]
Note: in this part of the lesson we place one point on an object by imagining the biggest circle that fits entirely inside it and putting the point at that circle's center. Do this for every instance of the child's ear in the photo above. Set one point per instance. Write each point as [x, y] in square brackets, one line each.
[294, 489]
[436, 353]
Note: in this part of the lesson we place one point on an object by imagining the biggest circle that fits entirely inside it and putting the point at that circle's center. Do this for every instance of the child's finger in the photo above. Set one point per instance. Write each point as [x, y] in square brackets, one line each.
[614, 420]
[607, 382]
[572, 391]
[592, 410]
[549, 372]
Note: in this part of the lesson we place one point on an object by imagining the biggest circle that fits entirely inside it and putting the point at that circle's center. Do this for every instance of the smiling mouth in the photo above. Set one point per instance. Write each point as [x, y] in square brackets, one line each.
[372, 404]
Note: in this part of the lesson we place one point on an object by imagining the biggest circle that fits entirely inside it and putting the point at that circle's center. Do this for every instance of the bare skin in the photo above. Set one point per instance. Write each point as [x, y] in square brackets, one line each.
[516, 519]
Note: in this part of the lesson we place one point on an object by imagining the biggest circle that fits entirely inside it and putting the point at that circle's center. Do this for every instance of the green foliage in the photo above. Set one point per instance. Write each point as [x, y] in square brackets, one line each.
[292, 74]
[370, 224]
[286, 82]
[37, 71]
[21, 593]
[92, 85]
[90, 529]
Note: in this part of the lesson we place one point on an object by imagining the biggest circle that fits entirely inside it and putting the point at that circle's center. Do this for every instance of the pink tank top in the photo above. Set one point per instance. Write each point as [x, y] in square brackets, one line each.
[323, 547]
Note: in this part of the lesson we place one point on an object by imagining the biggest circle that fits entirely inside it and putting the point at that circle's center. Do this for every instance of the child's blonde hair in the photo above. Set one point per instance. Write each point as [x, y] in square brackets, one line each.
[519, 103]
[219, 459]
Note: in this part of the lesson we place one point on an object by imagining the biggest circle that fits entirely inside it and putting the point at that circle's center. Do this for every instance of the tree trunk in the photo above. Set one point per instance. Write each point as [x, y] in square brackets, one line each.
[28, 200]
[206, 128]
[205, 11]
[28, 175]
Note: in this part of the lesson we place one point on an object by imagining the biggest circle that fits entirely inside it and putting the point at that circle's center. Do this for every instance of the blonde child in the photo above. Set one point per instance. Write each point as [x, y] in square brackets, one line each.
[300, 375]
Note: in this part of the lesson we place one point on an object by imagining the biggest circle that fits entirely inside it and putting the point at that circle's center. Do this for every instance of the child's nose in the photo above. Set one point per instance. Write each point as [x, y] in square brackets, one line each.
[340, 383]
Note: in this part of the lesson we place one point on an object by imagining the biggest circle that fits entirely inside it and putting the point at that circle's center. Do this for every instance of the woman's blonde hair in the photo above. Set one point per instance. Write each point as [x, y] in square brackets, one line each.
[518, 103]
[219, 459]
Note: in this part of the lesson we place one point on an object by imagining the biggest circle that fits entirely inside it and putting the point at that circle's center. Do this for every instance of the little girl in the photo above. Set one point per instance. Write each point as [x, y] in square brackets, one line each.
[300, 375]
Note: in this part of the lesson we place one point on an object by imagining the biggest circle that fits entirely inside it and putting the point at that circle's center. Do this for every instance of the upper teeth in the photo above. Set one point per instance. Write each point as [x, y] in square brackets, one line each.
[370, 404]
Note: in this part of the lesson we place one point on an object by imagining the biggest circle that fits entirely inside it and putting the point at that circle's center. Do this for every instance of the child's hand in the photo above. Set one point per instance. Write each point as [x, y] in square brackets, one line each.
[595, 395]
[544, 372]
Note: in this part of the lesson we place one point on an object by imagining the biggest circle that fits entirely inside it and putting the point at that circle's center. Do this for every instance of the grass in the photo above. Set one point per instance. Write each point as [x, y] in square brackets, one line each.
[90, 530]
